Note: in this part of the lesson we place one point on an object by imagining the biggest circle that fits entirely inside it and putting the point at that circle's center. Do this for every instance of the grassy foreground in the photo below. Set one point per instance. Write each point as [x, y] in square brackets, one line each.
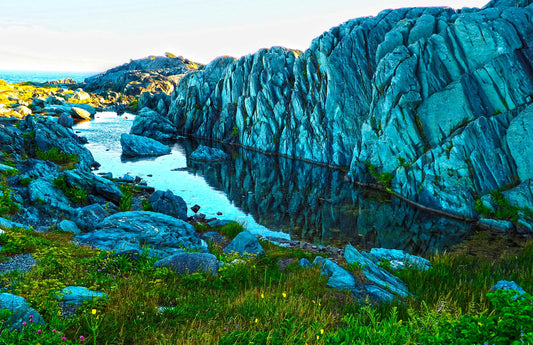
[256, 302]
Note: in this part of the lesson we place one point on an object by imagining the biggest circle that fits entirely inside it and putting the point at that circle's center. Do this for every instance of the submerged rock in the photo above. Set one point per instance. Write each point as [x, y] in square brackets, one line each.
[208, 154]
[137, 146]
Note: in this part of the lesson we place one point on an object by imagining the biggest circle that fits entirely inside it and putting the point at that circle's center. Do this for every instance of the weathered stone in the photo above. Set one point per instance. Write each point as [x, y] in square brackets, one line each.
[186, 263]
[399, 259]
[88, 217]
[80, 114]
[50, 134]
[245, 244]
[133, 230]
[137, 146]
[11, 141]
[339, 278]
[74, 296]
[303, 262]
[93, 184]
[43, 192]
[150, 124]
[168, 203]
[65, 120]
[508, 285]
[20, 309]
[69, 226]
[151, 74]
[374, 273]
[8, 224]
[497, 224]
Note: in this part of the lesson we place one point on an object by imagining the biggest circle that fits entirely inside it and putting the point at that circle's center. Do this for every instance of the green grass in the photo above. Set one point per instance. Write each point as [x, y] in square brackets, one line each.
[56, 155]
[74, 193]
[256, 302]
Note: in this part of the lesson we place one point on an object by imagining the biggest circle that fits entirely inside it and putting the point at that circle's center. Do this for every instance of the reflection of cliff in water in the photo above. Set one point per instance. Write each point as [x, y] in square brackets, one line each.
[316, 204]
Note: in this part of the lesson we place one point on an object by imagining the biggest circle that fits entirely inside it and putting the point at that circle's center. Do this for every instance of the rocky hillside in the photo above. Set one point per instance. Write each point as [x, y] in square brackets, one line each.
[433, 103]
[152, 74]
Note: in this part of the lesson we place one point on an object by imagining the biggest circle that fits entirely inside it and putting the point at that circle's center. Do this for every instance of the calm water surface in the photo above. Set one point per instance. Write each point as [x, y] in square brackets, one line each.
[276, 196]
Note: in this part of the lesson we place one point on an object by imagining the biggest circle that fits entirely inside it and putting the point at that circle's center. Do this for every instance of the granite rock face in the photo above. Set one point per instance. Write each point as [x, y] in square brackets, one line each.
[434, 96]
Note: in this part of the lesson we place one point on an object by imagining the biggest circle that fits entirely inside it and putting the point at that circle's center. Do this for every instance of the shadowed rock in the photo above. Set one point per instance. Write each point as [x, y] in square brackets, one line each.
[185, 263]
[245, 244]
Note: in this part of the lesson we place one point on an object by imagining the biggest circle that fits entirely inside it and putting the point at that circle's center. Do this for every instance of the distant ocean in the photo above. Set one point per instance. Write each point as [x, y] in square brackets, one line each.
[42, 76]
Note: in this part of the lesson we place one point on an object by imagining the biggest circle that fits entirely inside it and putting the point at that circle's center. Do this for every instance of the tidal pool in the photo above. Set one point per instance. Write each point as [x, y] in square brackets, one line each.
[275, 196]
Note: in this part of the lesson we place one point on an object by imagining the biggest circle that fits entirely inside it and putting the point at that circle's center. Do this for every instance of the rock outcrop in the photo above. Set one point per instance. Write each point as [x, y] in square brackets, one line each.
[435, 99]
[151, 74]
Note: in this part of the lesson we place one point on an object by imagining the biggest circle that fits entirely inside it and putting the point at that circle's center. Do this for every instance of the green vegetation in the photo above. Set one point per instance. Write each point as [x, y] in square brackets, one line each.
[56, 155]
[235, 132]
[257, 302]
[127, 194]
[133, 106]
[8, 207]
[503, 209]
[74, 193]
[383, 178]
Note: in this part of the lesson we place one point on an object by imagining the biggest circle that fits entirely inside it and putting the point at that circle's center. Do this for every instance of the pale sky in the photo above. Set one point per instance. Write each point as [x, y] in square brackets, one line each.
[94, 35]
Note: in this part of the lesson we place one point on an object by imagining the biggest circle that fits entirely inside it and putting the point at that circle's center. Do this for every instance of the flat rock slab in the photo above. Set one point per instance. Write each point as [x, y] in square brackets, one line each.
[165, 235]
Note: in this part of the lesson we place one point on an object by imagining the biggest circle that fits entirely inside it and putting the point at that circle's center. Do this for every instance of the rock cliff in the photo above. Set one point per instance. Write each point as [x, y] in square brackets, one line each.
[437, 101]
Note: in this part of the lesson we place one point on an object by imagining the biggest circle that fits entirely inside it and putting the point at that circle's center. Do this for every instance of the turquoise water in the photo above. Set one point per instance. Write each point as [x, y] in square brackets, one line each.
[42, 76]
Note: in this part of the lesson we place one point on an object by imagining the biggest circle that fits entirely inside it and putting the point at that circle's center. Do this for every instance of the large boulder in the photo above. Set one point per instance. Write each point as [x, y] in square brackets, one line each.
[137, 146]
[245, 244]
[168, 203]
[165, 235]
[80, 114]
[185, 263]
[22, 312]
[208, 154]
[149, 123]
